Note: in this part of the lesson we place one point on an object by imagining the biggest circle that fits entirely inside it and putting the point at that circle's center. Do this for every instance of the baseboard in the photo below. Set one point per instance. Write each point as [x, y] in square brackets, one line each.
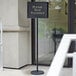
[17, 68]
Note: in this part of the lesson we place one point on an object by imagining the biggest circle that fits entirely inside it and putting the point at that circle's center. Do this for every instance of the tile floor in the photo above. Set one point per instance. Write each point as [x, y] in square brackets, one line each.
[26, 71]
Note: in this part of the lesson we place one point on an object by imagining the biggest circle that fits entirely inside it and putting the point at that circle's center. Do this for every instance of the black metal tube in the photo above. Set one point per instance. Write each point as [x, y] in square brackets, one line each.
[37, 44]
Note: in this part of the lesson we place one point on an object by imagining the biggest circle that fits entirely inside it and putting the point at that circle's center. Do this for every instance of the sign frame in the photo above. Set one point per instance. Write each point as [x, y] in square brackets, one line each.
[37, 10]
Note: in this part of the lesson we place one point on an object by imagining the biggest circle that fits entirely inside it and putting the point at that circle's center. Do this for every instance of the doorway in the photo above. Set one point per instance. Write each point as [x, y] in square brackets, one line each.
[51, 30]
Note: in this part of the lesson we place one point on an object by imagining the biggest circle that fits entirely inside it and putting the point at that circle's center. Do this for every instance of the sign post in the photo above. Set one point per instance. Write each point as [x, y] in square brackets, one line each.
[37, 10]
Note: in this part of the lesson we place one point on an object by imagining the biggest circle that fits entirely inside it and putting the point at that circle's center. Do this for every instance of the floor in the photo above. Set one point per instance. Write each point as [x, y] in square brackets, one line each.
[26, 71]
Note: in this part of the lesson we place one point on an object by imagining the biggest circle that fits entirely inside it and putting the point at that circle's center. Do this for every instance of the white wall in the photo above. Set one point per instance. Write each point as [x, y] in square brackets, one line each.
[17, 33]
[10, 48]
[22, 13]
[9, 12]
[24, 53]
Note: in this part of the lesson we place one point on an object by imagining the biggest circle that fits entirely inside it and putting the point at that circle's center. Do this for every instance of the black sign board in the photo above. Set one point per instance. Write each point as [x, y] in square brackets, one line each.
[37, 9]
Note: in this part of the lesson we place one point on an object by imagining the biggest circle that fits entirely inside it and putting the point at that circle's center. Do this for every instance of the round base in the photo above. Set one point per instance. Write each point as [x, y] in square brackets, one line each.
[35, 72]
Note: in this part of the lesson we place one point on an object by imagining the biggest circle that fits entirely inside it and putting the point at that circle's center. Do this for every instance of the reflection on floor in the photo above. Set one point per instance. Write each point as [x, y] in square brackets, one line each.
[26, 71]
[46, 59]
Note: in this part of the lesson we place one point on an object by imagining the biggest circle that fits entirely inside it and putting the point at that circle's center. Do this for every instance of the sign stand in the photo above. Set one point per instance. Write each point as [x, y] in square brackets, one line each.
[37, 10]
[37, 71]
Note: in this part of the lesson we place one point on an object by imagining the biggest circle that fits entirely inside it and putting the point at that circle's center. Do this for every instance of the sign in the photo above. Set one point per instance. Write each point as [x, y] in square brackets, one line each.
[37, 9]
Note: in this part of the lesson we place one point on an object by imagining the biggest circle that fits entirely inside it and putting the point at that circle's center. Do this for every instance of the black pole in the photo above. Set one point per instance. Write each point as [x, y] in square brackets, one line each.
[37, 44]
[55, 41]
[37, 71]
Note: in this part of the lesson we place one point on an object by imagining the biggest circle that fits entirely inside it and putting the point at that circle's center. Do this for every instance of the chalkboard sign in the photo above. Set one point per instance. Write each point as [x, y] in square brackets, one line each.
[37, 9]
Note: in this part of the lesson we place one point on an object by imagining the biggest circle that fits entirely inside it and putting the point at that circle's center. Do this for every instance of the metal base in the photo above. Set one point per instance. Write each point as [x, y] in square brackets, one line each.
[35, 72]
